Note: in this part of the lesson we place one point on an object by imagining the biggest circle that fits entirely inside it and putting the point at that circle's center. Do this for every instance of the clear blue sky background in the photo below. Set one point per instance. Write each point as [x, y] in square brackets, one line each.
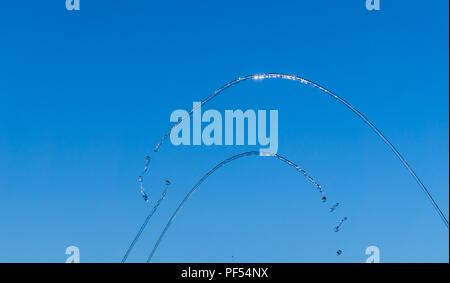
[84, 95]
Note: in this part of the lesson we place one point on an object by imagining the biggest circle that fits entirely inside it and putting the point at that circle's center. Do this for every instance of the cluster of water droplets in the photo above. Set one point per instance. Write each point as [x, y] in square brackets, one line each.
[338, 227]
[319, 188]
[302, 171]
[141, 179]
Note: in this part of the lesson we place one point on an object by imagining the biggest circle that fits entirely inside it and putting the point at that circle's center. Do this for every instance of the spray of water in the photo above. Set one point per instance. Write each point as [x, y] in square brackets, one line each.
[152, 212]
[221, 164]
[330, 93]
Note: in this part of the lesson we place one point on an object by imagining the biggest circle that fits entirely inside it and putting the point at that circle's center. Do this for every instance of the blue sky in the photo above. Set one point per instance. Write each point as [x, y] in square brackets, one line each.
[85, 95]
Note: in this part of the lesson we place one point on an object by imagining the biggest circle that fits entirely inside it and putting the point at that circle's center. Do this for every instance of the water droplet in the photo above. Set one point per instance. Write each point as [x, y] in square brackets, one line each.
[140, 179]
[336, 229]
[145, 197]
[339, 252]
[167, 182]
[147, 163]
[334, 207]
[324, 199]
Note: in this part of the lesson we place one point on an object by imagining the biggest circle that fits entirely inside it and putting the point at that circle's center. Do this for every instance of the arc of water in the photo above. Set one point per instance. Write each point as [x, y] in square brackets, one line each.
[221, 164]
[338, 98]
